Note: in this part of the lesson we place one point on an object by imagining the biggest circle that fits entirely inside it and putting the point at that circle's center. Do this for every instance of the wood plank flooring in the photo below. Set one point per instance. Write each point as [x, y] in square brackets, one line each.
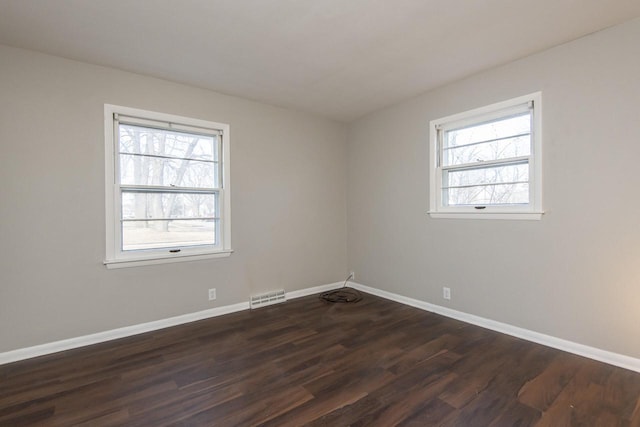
[308, 362]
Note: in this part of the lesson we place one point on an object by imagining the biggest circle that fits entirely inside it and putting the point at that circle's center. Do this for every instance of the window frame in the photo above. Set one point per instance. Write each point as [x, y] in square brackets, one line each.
[115, 256]
[532, 210]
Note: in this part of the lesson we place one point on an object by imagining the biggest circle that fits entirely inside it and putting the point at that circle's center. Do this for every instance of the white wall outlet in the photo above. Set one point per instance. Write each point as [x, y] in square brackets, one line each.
[446, 293]
[212, 294]
[353, 275]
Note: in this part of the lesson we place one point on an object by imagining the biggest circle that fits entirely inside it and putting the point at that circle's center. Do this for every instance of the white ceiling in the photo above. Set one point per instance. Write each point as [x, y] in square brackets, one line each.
[338, 58]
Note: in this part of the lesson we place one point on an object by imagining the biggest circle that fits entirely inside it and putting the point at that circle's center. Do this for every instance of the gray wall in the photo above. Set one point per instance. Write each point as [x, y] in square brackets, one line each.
[288, 202]
[576, 273]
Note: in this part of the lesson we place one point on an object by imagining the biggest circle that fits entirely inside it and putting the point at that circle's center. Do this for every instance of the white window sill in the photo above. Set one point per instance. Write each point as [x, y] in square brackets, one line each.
[531, 216]
[138, 262]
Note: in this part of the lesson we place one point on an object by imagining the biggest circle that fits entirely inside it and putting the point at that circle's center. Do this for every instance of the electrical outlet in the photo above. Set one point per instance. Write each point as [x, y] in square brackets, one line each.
[212, 294]
[353, 275]
[446, 293]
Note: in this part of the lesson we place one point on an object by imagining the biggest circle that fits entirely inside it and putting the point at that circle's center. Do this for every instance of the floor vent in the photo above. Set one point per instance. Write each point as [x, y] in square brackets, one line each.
[269, 298]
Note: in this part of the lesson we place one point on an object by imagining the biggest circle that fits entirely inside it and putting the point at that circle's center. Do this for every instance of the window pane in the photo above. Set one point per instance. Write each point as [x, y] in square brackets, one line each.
[140, 205]
[487, 131]
[494, 150]
[137, 235]
[143, 170]
[500, 194]
[160, 142]
[487, 175]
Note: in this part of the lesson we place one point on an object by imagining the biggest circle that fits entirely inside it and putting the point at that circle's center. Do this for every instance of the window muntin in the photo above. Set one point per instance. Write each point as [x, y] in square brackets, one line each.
[487, 160]
[169, 193]
[152, 156]
[504, 185]
[493, 140]
[183, 219]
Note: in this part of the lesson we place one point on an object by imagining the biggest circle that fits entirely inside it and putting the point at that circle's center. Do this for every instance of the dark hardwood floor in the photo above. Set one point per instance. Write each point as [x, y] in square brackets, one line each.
[307, 362]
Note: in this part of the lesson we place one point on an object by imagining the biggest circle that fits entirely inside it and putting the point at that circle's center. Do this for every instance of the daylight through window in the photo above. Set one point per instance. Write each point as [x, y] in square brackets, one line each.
[486, 162]
[169, 188]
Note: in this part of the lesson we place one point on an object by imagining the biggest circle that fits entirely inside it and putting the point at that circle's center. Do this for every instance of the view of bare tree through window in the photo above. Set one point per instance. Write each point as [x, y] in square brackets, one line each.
[169, 187]
[487, 163]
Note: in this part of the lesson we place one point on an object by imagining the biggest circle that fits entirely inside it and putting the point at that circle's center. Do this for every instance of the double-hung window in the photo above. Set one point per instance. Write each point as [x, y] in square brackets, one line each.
[167, 188]
[486, 163]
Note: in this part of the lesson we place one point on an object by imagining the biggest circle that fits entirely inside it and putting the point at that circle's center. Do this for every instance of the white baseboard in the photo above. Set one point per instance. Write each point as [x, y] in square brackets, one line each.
[600, 355]
[611, 358]
[313, 290]
[71, 343]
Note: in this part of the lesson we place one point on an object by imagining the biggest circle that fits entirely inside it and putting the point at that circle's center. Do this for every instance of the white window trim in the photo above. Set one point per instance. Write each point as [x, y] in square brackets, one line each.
[115, 258]
[533, 211]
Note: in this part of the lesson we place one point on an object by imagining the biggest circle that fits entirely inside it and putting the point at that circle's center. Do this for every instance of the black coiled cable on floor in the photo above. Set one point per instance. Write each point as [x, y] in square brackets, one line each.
[343, 294]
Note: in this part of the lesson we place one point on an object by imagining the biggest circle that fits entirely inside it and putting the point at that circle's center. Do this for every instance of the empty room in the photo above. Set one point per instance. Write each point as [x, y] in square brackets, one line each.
[325, 213]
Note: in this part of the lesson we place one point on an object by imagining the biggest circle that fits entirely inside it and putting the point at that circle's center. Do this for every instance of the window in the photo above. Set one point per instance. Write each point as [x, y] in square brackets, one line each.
[486, 163]
[167, 188]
